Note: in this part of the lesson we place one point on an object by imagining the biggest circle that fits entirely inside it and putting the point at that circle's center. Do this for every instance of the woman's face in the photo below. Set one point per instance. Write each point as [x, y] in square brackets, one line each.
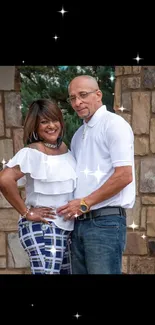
[49, 130]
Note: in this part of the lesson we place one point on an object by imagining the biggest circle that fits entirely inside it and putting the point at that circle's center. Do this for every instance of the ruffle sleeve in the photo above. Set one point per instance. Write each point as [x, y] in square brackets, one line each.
[51, 174]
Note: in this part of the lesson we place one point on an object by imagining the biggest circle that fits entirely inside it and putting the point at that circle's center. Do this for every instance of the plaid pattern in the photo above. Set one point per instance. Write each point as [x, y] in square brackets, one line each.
[47, 247]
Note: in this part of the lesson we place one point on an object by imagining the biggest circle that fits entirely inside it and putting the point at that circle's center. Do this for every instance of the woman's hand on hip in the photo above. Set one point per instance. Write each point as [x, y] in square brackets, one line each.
[39, 214]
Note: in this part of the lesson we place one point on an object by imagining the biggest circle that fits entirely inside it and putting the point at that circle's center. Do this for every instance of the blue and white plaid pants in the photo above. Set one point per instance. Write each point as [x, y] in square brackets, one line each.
[47, 246]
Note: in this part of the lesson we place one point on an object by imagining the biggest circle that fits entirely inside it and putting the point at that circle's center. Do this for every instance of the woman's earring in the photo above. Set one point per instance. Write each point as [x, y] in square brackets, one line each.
[59, 140]
[35, 135]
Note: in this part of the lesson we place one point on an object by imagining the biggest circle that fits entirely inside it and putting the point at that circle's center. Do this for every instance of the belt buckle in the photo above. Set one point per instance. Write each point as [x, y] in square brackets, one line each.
[82, 217]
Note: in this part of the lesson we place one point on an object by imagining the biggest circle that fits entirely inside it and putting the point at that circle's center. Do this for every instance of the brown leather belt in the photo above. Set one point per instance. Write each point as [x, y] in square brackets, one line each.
[105, 211]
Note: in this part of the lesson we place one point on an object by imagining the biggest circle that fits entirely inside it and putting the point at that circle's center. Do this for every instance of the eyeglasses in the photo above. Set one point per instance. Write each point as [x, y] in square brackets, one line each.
[81, 96]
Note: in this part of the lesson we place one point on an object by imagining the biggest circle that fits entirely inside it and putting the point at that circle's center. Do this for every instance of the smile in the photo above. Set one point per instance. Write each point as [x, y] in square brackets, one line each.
[51, 131]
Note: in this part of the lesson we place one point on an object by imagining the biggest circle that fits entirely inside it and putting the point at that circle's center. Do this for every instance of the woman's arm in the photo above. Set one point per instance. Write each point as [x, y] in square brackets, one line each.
[9, 188]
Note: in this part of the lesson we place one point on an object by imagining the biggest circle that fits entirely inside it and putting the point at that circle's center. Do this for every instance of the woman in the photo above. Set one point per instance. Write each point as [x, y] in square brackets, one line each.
[49, 170]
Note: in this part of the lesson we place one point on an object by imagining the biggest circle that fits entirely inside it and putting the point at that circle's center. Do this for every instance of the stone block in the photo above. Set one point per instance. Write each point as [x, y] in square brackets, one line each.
[2, 244]
[125, 264]
[135, 245]
[134, 213]
[7, 76]
[150, 222]
[126, 100]
[147, 199]
[141, 112]
[143, 218]
[148, 77]
[9, 220]
[117, 97]
[142, 265]
[127, 69]
[137, 171]
[6, 149]
[152, 135]
[1, 121]
[153, 101]
[131, 83]
[18, 139]
[151, 246]
[3, 202]
[136, 69]
[2, 262]
[17, 79]
[27, 271]
[12, 271]
[141, 146]
[13, 115]
[8, 132]
[118, 71]
[147, 175]
[17, 257]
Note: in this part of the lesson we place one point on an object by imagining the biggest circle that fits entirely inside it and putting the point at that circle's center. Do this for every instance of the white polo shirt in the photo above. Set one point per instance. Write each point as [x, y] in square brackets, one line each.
[105, 142]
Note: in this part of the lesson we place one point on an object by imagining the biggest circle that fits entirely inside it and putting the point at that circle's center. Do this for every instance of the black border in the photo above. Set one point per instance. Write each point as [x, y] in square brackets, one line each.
[94, 297]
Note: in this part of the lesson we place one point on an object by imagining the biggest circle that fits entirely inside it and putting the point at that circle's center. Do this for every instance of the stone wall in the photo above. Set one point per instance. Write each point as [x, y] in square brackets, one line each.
[135, 91]
[13, 259]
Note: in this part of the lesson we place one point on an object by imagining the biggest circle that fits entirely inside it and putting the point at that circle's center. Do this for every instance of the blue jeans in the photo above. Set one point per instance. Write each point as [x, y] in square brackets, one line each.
[97, 245]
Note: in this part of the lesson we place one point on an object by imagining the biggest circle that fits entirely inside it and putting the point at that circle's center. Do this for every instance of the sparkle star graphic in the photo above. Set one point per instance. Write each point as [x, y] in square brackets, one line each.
[143, 236]
[137, 58]
[62, 11]
[55, 37]
[133, 226]
[112, 78]
[76, 215]
[98, 174]
[86, 171]
[77, 315]
[121, 108]
[3, 161]
[52, 250]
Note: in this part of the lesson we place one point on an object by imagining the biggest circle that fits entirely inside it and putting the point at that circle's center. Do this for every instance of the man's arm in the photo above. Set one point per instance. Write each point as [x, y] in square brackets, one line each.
[121, 177]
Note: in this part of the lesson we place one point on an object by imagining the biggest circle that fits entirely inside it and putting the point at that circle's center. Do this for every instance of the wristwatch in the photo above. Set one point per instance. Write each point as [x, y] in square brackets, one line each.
[84, 208]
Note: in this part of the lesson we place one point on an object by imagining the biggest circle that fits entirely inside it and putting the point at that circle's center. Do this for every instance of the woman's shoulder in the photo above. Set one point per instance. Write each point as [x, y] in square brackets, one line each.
[35, 145]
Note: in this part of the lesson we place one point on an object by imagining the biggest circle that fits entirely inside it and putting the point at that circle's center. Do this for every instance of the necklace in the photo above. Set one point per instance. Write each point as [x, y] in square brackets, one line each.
[49, 145]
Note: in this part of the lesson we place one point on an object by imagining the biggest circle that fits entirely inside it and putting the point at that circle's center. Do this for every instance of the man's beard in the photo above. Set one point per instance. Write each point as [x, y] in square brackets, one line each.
[86, 116]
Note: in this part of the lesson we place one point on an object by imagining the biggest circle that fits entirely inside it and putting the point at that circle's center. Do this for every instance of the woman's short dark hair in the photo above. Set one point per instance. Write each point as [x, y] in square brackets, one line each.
[41, 108]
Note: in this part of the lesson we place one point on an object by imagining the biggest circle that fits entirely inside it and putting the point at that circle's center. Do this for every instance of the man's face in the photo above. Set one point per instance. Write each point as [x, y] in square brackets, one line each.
[85, 98]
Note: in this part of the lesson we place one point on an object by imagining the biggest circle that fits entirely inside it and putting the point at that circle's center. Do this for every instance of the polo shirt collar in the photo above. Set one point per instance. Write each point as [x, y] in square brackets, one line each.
[96, 117]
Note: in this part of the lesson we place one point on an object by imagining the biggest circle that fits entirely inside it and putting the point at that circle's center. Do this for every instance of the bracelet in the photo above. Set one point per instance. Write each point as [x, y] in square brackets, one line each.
[25, 214]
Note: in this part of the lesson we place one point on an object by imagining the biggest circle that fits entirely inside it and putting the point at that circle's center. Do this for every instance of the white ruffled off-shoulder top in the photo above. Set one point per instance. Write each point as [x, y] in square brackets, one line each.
[49, 180]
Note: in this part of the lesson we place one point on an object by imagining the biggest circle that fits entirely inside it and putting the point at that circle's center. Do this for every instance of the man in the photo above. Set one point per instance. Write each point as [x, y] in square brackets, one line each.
[104, 150]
